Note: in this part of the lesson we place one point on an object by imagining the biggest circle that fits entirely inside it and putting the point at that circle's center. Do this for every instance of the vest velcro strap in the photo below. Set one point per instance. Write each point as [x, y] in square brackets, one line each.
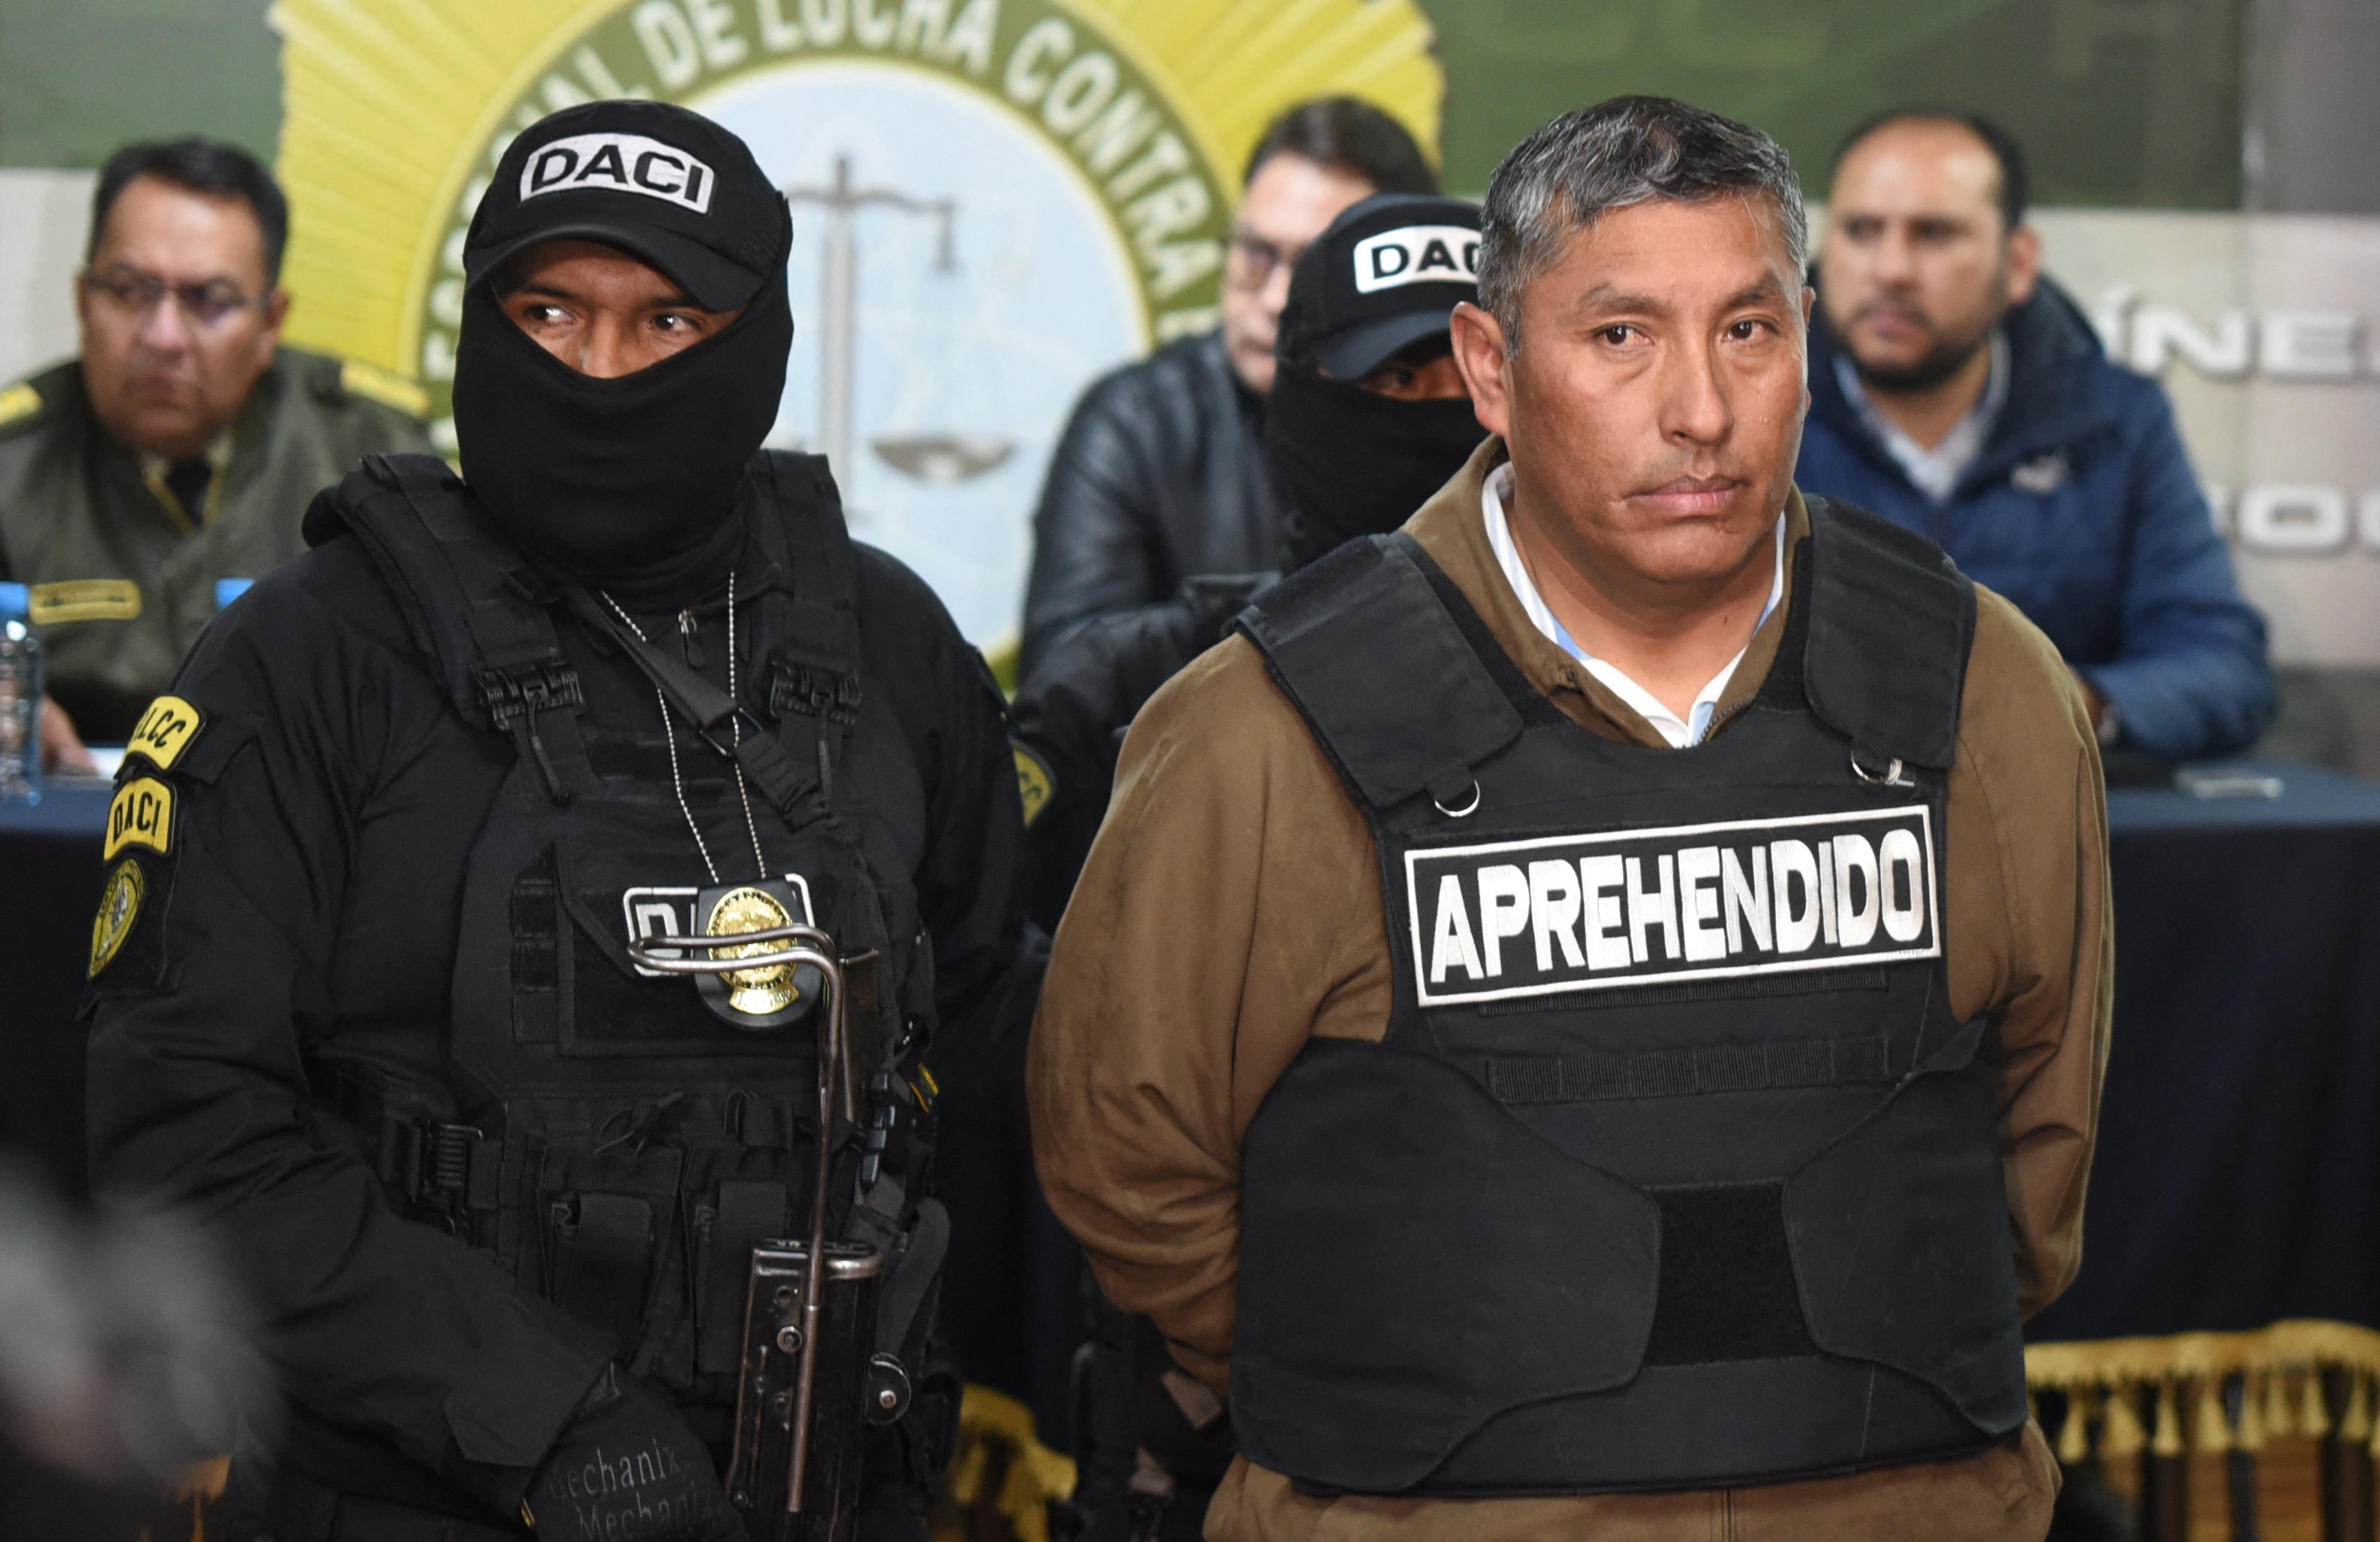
[1606, 1074]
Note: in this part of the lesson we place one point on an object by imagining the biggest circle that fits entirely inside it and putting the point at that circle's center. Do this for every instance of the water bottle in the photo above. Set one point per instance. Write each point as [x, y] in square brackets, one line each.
[20, 697]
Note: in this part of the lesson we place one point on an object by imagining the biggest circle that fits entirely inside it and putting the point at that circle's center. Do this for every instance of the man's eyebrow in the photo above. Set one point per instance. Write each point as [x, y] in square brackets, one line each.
[1609, 296]
[1764, 289]
[125, 265]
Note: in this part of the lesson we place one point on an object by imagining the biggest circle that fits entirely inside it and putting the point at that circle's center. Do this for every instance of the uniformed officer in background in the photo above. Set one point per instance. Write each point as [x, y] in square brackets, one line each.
[1587, 1019]
[180, 447]
[363, 991]
[1368, 417]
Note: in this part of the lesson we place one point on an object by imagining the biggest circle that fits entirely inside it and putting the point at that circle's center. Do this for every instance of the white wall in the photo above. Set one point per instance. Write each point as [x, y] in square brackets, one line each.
[41, 246]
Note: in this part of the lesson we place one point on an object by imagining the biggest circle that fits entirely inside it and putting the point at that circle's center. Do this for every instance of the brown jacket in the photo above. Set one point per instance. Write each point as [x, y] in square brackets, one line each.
[1231, 910]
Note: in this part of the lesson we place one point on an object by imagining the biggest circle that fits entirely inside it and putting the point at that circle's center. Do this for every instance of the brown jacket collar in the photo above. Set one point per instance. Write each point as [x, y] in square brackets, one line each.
[1452, 530]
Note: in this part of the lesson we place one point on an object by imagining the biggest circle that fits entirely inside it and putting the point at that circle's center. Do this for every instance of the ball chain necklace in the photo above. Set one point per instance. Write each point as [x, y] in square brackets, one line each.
[669, 736]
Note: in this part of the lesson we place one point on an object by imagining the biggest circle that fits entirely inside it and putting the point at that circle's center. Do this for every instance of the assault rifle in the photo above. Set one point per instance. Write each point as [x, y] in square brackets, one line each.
[811, 1382]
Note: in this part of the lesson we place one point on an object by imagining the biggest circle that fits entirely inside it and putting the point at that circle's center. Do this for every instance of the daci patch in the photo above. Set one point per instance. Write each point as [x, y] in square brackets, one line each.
[142, 815]
[119, 907]
[1636, 907]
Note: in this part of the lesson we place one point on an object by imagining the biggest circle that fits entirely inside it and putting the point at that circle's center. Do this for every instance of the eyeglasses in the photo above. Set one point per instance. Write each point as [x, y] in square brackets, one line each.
[137, 294]
[1254, 260]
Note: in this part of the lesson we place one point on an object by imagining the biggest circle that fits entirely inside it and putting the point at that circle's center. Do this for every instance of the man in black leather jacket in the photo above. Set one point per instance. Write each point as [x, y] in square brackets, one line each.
[1160, 474]
[1368, 419]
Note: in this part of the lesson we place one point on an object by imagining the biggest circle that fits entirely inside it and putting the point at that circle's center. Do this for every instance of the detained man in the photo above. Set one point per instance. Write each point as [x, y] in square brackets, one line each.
[1585, 1018]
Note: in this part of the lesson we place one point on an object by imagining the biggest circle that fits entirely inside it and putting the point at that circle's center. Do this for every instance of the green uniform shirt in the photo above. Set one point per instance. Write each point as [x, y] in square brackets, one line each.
[122, 582]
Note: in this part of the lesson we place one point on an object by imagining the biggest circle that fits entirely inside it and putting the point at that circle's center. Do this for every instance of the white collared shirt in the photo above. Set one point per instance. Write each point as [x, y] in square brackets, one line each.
[1680, 732]
[1933, 472]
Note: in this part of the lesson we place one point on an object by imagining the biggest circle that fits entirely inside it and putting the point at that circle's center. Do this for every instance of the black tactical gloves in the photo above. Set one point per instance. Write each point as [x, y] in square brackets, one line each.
[627, 1466]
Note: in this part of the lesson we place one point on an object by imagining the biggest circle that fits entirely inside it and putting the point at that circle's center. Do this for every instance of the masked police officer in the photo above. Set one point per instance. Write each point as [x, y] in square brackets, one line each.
[1367, 416]
[1586, 1019]
[381, 980]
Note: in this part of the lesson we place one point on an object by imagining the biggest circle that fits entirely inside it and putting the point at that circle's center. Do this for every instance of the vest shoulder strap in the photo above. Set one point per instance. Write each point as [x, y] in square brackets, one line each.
[473, 604]
[814, 685]
[1367, 649]
[1891, 620]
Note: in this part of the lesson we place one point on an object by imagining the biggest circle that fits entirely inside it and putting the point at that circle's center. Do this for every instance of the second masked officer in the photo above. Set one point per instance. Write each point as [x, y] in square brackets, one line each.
[364, 991]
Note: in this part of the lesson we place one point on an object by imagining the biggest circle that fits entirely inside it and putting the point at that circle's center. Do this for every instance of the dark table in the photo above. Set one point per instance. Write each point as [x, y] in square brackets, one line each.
[50, 875]
[2238, 1176]
[2237, 1184]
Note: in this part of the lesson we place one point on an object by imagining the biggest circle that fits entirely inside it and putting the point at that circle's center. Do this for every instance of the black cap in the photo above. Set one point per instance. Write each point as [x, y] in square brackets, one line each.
[1388, 273]
[655, 181]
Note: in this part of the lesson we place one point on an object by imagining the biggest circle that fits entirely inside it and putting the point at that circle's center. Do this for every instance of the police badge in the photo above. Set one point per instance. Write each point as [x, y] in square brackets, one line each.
[773, 993]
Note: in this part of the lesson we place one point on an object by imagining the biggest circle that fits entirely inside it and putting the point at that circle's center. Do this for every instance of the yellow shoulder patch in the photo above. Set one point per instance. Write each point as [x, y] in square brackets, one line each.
[385, 386]
[119, 907]
[83, 600]
[165, 731]
[20, 400]
[142, 815]
[1034, 782]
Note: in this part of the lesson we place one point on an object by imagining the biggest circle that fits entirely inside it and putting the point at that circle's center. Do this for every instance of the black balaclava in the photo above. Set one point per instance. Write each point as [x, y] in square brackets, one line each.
[633, 484]
[1356, 463]
[1379, 284]
[626, 484]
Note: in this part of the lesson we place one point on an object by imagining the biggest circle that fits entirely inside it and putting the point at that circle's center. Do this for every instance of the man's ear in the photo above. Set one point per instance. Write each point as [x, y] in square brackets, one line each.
[2023, 263]
[268, 336]
[1480, 354]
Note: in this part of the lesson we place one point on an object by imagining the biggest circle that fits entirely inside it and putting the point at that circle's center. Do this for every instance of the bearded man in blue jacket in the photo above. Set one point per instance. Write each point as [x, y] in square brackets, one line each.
[1956, 390]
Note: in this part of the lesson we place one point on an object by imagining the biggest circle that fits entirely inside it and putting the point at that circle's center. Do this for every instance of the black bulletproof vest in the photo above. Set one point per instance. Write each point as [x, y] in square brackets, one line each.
[614, 1144]
[1673, 1168]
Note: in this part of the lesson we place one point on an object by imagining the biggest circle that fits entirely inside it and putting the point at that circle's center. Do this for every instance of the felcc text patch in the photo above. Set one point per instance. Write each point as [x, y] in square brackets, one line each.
[163, 730]
[1633, 907]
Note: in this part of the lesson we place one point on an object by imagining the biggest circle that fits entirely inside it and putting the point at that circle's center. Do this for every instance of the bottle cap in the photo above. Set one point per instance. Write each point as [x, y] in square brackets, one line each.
[16, 600]
[229, 589]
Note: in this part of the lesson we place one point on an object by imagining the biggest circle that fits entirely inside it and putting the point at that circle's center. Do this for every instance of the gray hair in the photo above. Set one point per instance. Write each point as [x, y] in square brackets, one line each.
[1615, 154]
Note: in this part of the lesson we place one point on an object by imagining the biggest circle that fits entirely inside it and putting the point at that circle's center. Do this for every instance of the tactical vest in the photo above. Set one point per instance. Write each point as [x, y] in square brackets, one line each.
[1673, 1169]
[613, 1142]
